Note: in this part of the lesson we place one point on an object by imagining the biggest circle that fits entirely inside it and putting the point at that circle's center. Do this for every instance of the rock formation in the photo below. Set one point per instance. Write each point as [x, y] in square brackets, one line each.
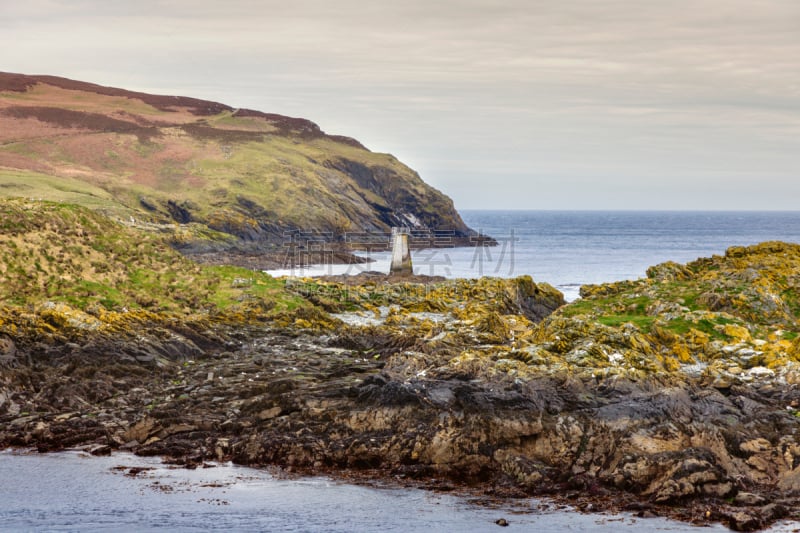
[674, 395]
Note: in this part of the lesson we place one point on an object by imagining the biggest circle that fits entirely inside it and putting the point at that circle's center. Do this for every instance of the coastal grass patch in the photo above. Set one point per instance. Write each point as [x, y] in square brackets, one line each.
[621, 304]
[234, 285]
[84, 293]
[35, 185]
[709, 326]
[642, 303]
[642, 322]
[23, 148]
[579, 307]
[226, 120]
[66, 253]
[685, 293]
[792, 299]
[681, 325]
[689, 297]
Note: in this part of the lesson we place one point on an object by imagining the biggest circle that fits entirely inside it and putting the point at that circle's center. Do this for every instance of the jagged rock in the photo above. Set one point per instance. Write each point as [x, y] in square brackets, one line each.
[8, 351]
[694, 415]
[749, 499]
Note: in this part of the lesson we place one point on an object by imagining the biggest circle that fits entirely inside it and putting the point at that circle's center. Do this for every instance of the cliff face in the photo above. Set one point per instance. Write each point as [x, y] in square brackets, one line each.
[230, 175]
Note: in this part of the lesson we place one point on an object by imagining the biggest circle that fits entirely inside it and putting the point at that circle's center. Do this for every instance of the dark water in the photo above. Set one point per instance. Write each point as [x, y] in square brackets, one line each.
[76, 492]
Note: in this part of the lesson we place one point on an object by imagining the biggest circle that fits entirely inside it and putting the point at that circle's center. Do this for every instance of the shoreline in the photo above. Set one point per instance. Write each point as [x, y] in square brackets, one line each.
[507, 502]
[238, 490]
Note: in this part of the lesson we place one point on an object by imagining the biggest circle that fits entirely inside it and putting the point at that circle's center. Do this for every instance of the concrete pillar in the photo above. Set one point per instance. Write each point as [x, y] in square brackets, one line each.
[401, 255]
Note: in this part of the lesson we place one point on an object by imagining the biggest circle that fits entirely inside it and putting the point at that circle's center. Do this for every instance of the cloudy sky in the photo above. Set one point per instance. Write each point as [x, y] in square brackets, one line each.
[531, 104]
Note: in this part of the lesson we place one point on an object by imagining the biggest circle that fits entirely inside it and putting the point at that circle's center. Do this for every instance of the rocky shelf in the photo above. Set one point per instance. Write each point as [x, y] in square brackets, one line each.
[674, 395]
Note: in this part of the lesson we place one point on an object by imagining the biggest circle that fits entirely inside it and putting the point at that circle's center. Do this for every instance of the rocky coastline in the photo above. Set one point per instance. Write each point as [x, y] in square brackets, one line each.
[675, 395]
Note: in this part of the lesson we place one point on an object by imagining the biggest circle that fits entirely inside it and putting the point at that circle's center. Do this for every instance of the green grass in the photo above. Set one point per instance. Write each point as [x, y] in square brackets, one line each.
[242, 123]
[25, 184]
[83, 293]
[66, 253]
[792, 299]
[621, 304]
[642, 322]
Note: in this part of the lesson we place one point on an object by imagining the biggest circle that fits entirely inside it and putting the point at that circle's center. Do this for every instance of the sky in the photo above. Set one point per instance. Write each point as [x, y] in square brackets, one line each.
[516, 104]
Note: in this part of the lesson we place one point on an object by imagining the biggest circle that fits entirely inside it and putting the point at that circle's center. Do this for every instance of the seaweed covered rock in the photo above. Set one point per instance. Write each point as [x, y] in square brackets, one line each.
[645, 395]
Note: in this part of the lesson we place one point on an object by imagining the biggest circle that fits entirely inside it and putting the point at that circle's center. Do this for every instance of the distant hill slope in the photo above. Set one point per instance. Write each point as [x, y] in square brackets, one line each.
[229, 176]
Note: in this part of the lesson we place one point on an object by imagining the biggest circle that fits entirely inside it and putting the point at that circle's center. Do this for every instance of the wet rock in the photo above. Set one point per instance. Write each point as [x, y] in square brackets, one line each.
[754, 518]
[99, 449]
[8, 352]
[743, 521]
[142, 430]
[268, 414]
[749, 499]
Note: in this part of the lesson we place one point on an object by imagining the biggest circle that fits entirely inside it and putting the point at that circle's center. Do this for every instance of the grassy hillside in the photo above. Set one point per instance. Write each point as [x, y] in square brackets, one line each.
[167, 160]
[56, 252]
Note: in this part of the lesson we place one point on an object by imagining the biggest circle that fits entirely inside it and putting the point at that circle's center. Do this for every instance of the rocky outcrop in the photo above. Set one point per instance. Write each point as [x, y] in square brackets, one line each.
[638, 397]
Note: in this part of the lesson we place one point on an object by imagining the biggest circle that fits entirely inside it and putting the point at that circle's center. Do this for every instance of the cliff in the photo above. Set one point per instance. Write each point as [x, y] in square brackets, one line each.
[229, 177]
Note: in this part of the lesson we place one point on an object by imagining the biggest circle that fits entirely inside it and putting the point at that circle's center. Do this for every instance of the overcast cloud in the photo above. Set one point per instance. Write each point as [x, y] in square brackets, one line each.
[587, 104]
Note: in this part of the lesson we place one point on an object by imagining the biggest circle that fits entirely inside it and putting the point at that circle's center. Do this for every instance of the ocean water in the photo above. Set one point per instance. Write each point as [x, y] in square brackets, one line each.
[571, 248]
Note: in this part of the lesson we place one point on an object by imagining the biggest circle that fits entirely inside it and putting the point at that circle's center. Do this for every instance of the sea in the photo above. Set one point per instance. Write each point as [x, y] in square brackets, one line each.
[73, 491]
[568, 249]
